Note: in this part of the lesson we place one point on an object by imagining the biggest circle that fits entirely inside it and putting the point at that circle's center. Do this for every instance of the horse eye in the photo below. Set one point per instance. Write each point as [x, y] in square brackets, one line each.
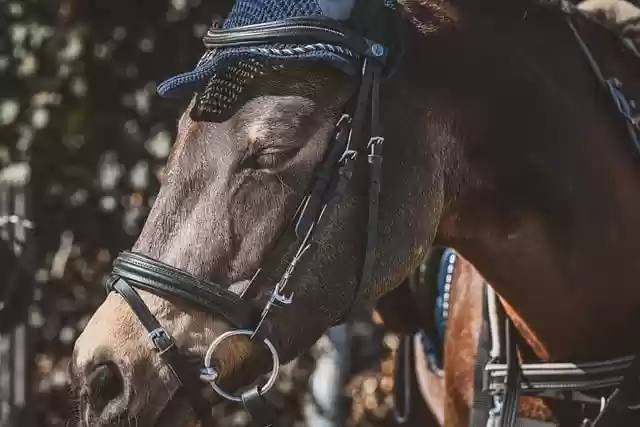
[274, 157]
[251, 162]
[263, 161]
[257, 162]
[270, 160]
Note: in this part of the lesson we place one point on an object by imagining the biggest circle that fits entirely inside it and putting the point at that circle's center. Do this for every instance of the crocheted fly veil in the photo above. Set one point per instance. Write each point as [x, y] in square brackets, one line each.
[221, 75]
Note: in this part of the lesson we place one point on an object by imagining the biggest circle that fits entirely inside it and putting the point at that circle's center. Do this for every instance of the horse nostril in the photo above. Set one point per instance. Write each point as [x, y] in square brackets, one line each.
[104, 384]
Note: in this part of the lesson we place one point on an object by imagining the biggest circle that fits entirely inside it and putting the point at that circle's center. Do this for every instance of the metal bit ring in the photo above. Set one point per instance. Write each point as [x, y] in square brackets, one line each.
[216, 343]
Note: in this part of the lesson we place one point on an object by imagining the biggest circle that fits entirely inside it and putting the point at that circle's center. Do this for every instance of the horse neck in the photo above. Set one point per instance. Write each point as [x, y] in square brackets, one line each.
[548, 201]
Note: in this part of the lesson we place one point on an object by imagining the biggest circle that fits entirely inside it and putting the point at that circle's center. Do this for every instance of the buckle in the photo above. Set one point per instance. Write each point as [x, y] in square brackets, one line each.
[375, 149]
[161, 340]
[345, 171]
[209, 373]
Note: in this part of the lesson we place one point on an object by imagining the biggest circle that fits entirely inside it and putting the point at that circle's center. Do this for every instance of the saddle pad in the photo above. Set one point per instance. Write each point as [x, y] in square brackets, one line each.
[433, 345]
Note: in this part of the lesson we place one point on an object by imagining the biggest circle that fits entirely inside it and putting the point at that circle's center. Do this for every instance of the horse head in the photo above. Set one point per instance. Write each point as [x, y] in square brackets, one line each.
[277, 215]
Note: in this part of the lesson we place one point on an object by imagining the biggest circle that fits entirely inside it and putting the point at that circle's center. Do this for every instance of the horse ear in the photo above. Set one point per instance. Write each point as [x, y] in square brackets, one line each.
[339, 10]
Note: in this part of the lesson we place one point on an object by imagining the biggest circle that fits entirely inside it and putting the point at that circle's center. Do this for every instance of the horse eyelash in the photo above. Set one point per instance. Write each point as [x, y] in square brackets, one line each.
[250, 162]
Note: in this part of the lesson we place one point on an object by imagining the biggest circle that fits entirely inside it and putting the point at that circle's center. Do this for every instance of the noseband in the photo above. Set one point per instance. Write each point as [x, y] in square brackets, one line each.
[133, 271]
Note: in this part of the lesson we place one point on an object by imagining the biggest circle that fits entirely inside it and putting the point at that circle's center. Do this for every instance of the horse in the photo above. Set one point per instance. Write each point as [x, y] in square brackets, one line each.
[277, 216]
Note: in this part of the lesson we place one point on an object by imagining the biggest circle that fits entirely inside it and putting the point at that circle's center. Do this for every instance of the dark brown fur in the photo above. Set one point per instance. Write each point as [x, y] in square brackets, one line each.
[499, 144]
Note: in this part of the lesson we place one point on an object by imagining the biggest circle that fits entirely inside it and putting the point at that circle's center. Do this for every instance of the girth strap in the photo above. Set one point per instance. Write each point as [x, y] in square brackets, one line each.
[560, 377]
[618, 406]
[482, 400]
[513, 379]
[163, 280]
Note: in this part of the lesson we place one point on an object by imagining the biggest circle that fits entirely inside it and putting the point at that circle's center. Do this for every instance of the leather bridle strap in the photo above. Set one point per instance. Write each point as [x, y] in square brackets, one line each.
[369, 93]
[375, 174]
[297, 30]
[166, 347]
[323, 186]
[165, 281]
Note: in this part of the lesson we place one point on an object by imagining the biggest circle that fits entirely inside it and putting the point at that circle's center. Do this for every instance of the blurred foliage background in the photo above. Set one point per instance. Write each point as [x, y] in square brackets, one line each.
[78, 89]
[78, 82]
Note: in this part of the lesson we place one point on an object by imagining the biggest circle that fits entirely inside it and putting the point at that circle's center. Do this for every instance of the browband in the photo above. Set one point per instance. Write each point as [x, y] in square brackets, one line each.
[296, 30]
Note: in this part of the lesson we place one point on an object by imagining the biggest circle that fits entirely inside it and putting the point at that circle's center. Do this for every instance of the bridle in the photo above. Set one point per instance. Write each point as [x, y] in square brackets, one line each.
[134, 271]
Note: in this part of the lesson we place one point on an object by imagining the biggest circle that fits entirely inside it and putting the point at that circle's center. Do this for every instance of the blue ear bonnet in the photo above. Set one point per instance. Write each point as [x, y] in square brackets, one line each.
[221, 74]
[247, 12]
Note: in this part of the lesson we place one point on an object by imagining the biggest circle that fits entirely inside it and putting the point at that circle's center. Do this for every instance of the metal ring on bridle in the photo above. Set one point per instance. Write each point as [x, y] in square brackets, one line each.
[216, 343]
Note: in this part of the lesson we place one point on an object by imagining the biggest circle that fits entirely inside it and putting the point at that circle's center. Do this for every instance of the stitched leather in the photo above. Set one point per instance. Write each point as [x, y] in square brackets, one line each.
[163, 280]
[322, 190]
[292, 30]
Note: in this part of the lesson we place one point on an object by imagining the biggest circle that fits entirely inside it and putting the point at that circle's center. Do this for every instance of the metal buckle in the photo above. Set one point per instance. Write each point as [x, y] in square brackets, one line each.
[375, 149]
[343, 122]
[161, 340]
[347, 157]
[376, 50]
[280, 298]
[209, 374]
[623, 104]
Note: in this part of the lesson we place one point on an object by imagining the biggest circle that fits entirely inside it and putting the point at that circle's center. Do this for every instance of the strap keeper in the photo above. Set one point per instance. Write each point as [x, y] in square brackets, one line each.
[345, 171]
[161, 340]
[375, 149]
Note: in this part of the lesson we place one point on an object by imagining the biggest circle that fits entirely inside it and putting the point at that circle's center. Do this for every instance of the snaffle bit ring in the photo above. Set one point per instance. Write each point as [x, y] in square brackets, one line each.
[212, 378]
